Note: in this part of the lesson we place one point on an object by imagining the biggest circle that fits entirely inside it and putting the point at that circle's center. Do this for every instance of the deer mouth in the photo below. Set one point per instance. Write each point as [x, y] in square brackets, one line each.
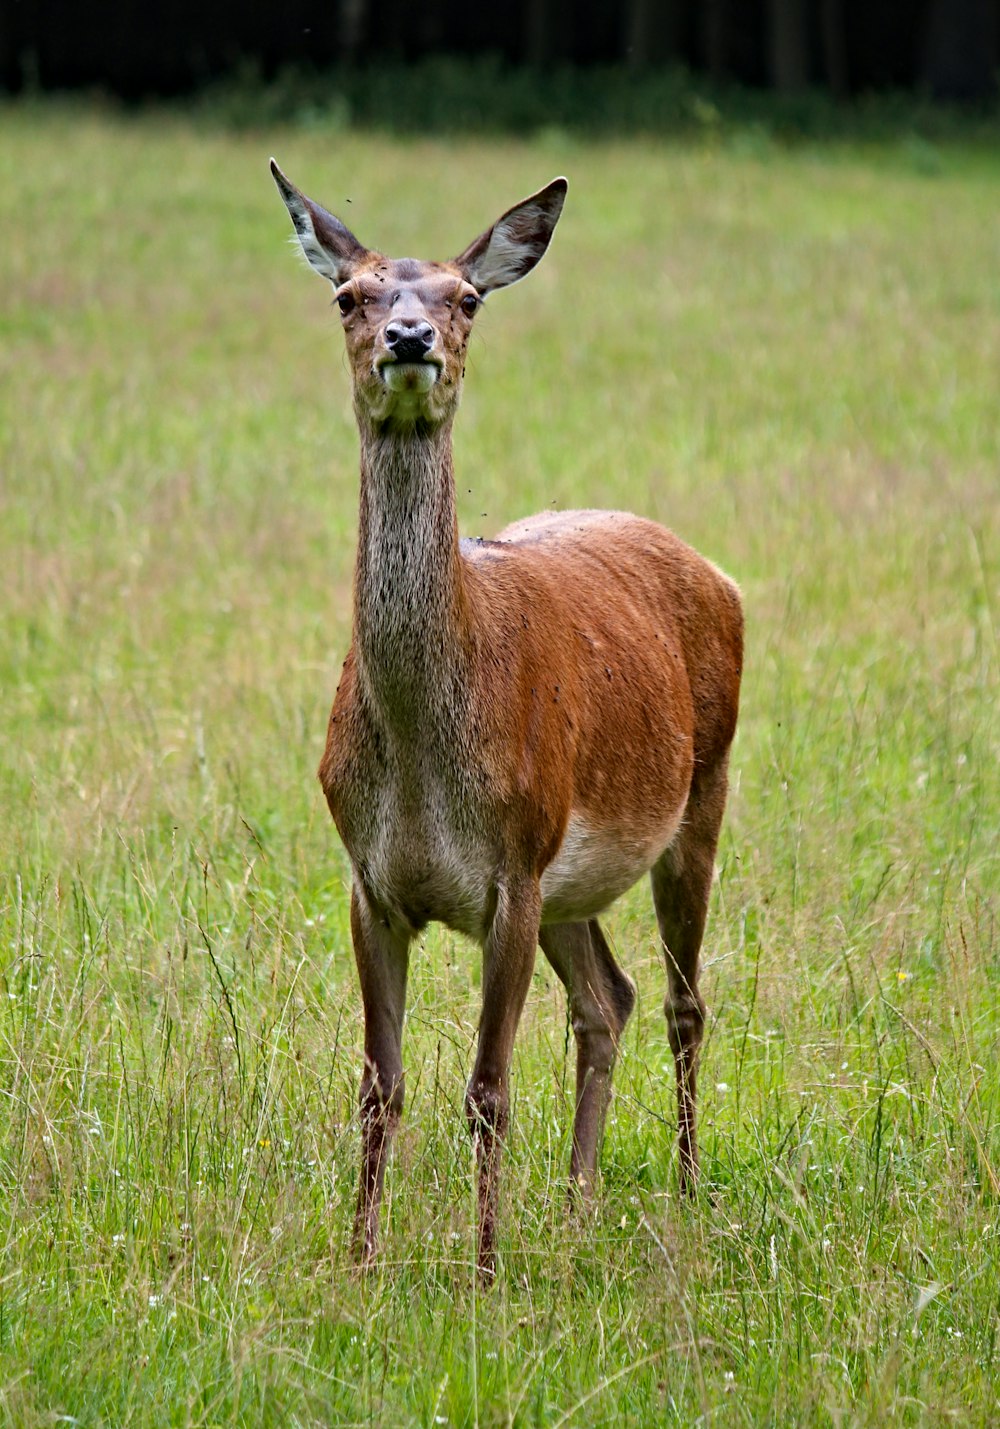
[418, 376]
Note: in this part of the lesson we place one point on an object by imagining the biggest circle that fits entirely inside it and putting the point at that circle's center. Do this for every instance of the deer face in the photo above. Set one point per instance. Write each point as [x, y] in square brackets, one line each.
[407, 323]
[407, 327]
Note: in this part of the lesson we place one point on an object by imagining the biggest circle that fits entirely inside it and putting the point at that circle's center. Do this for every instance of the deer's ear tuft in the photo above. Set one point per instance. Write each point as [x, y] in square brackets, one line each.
[327, 245]
[515, 243]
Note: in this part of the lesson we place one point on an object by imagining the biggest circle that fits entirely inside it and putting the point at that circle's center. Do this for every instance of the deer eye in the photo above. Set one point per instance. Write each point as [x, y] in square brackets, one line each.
[346, 303]
[469, 304]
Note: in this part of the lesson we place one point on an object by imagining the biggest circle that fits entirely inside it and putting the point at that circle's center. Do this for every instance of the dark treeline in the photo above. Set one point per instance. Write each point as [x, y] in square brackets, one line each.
[136, 48]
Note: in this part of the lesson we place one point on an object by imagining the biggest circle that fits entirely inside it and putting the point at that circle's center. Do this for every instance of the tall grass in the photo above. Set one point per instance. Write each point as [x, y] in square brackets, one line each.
[792, 359]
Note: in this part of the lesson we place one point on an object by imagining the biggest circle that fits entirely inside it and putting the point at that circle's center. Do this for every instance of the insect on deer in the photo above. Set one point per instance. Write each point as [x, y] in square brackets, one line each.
[523, 726]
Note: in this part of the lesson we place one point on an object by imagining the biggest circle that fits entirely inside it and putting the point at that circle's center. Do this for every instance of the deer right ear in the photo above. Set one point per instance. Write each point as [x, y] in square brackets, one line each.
[328, 246]
[515, 243]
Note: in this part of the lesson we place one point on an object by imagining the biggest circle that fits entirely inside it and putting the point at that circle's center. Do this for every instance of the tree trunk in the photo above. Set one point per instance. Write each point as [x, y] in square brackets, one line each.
[353, 14]
[835, 48]
[960, 49]
[652, 32]
[786, 43]
[538, 32]
[714, 37]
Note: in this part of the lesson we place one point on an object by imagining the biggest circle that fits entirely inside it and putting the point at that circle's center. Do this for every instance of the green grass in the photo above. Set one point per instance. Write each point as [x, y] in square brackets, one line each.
[790, 357]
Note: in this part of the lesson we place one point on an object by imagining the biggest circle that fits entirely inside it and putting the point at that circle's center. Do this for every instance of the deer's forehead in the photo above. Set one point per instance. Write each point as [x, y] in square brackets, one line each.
[389, 278]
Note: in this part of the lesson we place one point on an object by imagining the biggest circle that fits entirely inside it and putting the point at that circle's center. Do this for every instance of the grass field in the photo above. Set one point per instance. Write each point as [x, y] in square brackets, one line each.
[792, 358]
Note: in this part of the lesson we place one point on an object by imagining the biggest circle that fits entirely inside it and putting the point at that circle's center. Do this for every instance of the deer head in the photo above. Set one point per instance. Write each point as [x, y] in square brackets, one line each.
[407, 323]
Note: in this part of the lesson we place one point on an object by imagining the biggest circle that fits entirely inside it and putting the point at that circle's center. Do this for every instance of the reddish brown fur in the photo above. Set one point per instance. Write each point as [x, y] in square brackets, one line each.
[522, 726]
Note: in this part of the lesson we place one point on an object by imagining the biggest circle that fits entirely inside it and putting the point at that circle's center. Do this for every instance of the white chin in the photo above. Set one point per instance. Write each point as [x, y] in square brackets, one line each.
[409, 376]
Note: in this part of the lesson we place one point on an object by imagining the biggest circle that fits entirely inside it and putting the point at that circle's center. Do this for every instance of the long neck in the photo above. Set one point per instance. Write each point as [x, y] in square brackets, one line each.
[409, 600]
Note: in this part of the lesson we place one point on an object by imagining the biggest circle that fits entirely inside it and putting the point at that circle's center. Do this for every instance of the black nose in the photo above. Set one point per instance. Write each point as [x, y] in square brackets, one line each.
[409, 341]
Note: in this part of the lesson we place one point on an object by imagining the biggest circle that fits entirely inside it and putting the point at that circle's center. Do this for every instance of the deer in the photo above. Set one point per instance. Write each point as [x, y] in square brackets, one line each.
[524, 726]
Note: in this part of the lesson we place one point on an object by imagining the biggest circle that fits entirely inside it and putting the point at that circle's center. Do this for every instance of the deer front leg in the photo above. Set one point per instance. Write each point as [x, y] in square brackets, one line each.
[508, 961]
[382, 955]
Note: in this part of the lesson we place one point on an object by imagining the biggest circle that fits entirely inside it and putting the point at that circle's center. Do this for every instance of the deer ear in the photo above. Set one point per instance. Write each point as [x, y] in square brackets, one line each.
[328, 246]
[515, 243]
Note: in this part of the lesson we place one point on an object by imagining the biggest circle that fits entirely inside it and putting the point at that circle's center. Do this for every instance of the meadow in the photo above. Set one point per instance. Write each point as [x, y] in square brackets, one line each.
[789, 355]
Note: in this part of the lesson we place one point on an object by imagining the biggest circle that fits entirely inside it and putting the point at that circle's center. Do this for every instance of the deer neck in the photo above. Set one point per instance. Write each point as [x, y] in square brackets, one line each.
[409, 597]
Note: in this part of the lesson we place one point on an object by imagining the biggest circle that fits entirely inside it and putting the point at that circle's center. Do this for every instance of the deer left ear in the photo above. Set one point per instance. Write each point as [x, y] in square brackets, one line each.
[328, 245]
[515, 243]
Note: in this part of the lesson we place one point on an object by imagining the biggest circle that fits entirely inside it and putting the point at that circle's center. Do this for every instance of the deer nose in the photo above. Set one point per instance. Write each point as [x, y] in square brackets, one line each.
[409, 340]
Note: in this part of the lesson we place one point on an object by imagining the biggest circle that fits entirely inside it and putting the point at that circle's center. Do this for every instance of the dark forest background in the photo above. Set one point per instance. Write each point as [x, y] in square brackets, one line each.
[947, 49]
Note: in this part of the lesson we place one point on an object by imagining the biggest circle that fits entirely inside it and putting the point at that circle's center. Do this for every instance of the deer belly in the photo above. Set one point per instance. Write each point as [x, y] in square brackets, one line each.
[595, 865]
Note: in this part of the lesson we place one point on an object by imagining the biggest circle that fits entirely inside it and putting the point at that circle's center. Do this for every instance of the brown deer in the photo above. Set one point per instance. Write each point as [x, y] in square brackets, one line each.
[523, 726]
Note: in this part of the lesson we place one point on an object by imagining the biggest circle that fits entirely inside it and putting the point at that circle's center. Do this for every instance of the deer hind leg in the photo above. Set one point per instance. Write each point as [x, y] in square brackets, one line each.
[682, 882]
[508, 962]
[382, 956]
[601, 997]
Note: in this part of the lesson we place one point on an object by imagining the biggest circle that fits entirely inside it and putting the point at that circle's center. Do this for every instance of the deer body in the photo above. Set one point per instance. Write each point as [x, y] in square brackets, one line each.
[523, 727]
[433, 790]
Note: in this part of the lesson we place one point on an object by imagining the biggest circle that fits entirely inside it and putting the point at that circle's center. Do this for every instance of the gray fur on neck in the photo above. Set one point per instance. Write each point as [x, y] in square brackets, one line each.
[408, 580]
